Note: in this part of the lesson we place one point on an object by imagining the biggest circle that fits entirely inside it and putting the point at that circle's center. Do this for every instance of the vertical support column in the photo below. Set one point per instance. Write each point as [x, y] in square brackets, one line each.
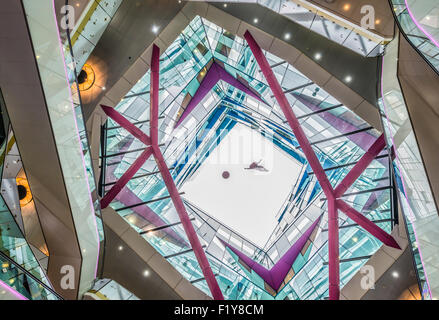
[333, 251]
[170, 184]
[187, 225]
[154, 95]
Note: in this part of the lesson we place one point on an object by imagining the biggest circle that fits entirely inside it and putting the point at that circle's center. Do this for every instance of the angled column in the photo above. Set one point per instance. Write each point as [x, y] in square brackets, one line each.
[289, 115]
[170, 185]
[331, 194]
[333, 251]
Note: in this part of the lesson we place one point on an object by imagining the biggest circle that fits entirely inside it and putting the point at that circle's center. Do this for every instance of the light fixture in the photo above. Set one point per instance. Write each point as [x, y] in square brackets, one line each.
[348, 79]
[318, 56]
[104, 88]
[255, 20]
[86, 78]
[154, 29]
[377, 21]
[120, 248]
[355, 239]
[346, 7]
[395, 274]
[225, 5]
[287, 36]
[146, 273]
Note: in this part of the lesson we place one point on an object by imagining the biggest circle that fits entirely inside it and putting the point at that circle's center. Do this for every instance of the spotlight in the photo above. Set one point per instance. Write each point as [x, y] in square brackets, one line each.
[155, 29]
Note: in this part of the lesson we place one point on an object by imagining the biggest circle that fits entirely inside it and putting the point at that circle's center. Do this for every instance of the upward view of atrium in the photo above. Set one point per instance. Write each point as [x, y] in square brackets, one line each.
[260, 150]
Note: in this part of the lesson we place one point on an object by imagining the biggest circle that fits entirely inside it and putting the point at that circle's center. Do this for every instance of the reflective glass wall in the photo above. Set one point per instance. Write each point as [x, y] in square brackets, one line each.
[414, 189]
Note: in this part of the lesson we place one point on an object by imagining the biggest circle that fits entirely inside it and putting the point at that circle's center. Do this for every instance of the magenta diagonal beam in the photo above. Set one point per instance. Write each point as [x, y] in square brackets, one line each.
[154, 94]
[127, 176]
[361, 165]
[124, 123]
[278, 273]
[214, 74]
[331, 194]
[333, 250]
[368, 225]
[170, 184]
[289, 115]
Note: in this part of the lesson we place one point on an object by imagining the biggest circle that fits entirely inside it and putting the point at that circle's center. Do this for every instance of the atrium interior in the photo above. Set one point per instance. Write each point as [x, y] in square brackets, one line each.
[219, 150]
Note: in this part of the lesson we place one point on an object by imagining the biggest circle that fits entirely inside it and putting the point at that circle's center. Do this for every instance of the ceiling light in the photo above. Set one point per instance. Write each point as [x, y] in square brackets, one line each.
[104, 88]
[287, 36]
[318, 56]
[225, 5]
[395, 274]
[120, 248]
[377, 21]
[146, 273]
[355, 239]
[155, 29]
[348, 79]
[346, 7]
[255, 20]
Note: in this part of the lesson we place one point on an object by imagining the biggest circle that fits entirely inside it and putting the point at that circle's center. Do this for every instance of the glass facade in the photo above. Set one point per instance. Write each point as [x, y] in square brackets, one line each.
[414, 189]
[419, 23]
[189, 135]
[20, 269]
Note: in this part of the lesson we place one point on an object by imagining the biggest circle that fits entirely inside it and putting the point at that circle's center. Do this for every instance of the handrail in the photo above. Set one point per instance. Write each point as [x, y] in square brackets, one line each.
[402, 32]
[18, 266]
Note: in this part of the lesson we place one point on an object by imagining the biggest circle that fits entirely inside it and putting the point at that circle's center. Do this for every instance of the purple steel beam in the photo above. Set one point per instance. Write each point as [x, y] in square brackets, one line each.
[187, 226]
[154, 100]
[331, 194]
[368, 225]
[289, 115]
[114, 191]
[124, 123]
[276, 275]
[214, 74]
[170, 184]
[333, 250]
[361, 165]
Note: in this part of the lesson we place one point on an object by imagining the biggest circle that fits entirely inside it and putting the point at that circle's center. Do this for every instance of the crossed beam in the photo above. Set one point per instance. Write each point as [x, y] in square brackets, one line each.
[333, 195]
[153, 149]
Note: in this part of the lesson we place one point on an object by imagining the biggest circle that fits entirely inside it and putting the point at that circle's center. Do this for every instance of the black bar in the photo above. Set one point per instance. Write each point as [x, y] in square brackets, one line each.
[201, 279]
[349, 164]
[320, 111]
[381, 179]
[140, 94]
[342, 135]
[146, 202]
[180, 253]
[137, 177]
[134, 123]
[357, 225]
[351, 259]
[361, 192]
[163, 227]
[127, 152]
[103, 159]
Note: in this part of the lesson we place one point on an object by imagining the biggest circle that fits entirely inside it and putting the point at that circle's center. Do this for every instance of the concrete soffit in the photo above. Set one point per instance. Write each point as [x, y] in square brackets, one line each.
[338, 89]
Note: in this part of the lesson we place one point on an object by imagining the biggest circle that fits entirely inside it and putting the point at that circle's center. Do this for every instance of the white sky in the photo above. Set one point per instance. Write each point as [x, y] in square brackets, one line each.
[249, 200]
